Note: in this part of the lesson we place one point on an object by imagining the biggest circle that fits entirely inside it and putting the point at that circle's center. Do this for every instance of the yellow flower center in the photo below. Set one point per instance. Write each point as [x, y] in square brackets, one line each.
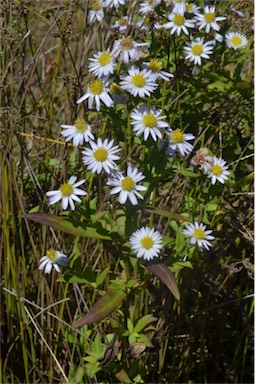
[127, 184]
[104, 59]
[66, 189]
[204, 150]
[96, 87]
[189, 7]
[236, 40]
[52, 255]
[100, 154]
[216, 170]
[155, 65]
[122, 22]
[147, 242]
[177, 136]
[138, 80]
[209, 17]
[80, 125]
[96, 5]
[126, 43]
[149, 120]
[147, 20]
[199, 234]
[197, 49]
[179, 19]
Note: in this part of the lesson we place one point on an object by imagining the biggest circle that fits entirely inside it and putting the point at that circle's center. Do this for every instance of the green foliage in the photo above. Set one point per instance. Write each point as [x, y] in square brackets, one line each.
[109, 315]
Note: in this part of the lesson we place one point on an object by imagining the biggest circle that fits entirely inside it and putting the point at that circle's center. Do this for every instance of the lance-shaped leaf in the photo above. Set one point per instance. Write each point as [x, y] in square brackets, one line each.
[69, 225]
[166, 276]
[162, 212]
[104, 306]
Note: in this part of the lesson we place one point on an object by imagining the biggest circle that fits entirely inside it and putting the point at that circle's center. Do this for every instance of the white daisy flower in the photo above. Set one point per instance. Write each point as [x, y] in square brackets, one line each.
[101, 156]
[203, 159]
[146, 242]
[80, 132]
[121, 24]
[144, 24]
[97, 11]
[178, 142]
[148, 6]
[197, 49]
[179, 6]
[218, 171]
[97, 90]
[179, 23]
[68, 193]
[192, 8]
[127, 186]
[114, 3]
[155, 66]
[236, 40]
[52, 259]
[208, 19]
[198, 235]
[138, 82]
[102, 64]
[126, 49]
[148, 121]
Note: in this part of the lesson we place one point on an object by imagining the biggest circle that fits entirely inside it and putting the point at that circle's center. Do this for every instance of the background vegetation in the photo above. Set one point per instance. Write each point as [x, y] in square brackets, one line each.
[205, 337]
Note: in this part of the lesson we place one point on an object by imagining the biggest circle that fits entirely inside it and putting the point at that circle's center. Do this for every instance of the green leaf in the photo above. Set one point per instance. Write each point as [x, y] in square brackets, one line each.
[35, 209]
[132, 338]
[103, 307]
[143, 322]
[100, 278]
[187, 173]
[245, 180]
[162, 212]
[90, 359]
[130, 326]
[243, 85]
[92, 369]
[97, 345]
[166, 276]
[86, 277]
[221, 86]
[179, 265]
[144, 339]
[179, 242]
[54, 162]
[68, 225]
[75, 376]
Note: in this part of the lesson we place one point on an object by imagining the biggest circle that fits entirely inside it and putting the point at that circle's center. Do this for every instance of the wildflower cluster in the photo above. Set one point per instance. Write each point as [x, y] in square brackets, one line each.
[126, 75]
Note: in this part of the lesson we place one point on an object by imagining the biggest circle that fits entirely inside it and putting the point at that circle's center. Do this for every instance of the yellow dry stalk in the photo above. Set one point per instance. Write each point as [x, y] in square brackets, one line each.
[46, 139]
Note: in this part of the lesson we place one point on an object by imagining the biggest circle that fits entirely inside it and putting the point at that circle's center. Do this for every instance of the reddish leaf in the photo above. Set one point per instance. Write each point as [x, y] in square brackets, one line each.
[68, 225]
[103, 307]
[166, 276]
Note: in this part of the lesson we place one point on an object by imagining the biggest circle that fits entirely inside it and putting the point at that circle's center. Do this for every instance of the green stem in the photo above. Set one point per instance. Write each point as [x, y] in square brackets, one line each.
[178, 101]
